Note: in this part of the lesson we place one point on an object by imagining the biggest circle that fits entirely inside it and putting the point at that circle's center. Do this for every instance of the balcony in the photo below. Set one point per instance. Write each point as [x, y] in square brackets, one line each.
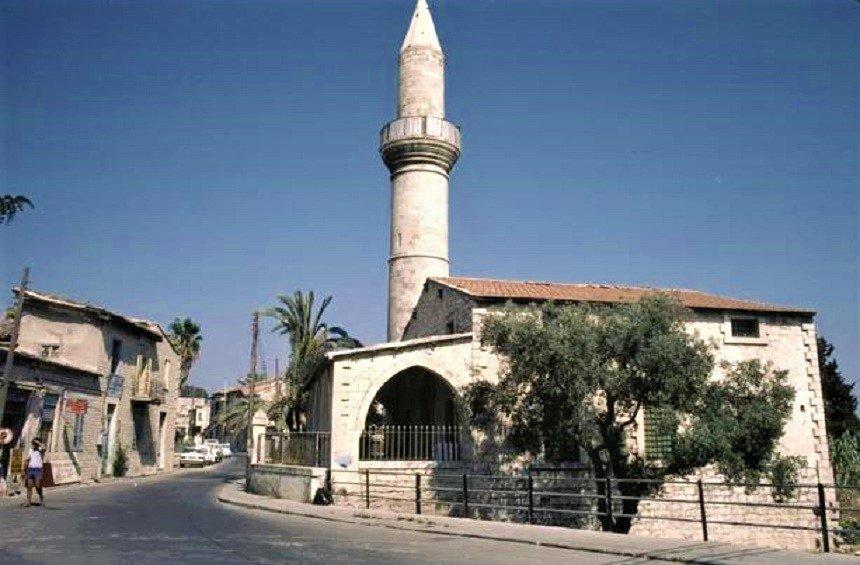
[420, 127]
[416, 140]
[148, 387]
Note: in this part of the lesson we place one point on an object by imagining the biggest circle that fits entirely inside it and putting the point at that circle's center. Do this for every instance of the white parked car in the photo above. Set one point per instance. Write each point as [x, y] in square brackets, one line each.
[209, 454]
[192, 458]
[225, 450]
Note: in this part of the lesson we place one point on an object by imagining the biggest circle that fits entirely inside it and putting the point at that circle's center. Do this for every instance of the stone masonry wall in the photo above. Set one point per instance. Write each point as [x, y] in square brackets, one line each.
[357, 378]
[722, 505]
[439, 307]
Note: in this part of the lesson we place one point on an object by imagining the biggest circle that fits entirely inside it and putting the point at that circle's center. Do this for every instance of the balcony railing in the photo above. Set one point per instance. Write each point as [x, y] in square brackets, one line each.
[413, 127]
[148, 387]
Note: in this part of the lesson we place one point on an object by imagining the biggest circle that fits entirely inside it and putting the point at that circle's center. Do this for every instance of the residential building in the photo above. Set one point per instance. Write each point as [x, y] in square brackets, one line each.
[88, 382]
[192, 419]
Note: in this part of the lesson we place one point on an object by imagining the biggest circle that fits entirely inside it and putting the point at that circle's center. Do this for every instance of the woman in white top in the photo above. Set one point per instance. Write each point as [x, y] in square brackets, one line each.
[33, 474]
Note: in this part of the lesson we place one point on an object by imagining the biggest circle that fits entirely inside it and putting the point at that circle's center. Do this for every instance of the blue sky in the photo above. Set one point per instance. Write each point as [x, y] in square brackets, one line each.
[198, 158]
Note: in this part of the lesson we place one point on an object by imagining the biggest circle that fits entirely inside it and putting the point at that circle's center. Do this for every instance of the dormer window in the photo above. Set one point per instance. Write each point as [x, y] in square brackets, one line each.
[745, 327]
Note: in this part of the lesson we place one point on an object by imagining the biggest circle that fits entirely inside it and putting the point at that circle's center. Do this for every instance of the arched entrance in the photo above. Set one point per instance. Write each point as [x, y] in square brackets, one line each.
[412, 417]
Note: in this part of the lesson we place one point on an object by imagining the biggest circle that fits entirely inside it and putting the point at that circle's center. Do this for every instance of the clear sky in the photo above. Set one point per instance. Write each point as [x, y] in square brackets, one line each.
[198, 158]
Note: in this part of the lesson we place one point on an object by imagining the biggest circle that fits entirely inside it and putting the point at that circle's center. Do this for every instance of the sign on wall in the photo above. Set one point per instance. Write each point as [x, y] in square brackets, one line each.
[76, 406]
[114, 386]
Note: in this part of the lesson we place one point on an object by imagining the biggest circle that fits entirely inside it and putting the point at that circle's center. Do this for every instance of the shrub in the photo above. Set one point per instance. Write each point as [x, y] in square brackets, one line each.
[783, 472]
[120, 461]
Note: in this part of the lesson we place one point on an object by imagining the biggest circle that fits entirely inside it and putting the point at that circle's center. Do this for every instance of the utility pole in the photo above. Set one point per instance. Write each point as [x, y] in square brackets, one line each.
[13, 343]
[252, 375]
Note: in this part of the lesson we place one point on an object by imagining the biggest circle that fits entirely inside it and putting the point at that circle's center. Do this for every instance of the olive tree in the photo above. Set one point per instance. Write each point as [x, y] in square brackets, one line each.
[577, 377]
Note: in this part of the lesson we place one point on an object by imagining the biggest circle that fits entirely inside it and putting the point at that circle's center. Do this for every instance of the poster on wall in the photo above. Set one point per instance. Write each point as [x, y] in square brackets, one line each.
[62, 462]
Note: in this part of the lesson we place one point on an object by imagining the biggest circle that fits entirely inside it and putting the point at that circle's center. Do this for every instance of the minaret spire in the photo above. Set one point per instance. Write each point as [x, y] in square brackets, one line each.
[420, 148]
[421, 31]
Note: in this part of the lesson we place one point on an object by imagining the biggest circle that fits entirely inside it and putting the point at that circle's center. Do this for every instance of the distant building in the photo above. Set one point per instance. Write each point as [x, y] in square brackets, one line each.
[192, 419]
[221, 401]
[87, 381]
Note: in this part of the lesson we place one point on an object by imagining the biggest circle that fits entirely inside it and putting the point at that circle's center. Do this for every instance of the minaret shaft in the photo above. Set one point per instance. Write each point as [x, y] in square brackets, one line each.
[419, 148]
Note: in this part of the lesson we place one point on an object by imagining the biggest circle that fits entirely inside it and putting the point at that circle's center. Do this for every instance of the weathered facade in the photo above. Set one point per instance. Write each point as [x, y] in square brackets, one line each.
[88, 381]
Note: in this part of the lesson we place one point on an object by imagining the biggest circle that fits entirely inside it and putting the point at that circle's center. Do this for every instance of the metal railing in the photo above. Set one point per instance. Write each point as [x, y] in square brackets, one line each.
[410, 443]
[574, 501]
[312, 449]
[420, 127]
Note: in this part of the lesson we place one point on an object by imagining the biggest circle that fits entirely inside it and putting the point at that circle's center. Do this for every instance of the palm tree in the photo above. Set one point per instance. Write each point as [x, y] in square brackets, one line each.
[309, 339]
[185, 337]
[11, 205]
[235, 418]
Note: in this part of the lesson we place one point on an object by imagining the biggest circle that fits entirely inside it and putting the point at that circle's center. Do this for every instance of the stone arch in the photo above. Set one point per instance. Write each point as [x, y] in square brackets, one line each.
[383, 378]
[413, 415]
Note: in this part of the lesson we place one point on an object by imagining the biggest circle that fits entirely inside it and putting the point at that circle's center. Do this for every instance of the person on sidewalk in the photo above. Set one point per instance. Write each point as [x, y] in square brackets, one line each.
[33, 474]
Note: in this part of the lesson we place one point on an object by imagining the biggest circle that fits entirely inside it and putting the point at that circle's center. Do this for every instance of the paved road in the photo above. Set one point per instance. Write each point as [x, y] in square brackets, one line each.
[175, 518]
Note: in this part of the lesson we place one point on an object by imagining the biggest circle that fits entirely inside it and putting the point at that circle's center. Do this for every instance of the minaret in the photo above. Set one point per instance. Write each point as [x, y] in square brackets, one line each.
[420, 149]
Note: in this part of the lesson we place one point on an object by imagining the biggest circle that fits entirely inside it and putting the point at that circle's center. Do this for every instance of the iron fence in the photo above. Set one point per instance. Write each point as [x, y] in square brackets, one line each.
[537, 498]
[312, 449]
[410, 443]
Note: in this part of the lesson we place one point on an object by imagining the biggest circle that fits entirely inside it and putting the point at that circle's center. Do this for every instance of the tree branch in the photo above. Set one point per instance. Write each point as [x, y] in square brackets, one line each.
[632, 418]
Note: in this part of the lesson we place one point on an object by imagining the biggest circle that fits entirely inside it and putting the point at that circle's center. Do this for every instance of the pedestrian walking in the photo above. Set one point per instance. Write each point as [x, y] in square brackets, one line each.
[33, 473]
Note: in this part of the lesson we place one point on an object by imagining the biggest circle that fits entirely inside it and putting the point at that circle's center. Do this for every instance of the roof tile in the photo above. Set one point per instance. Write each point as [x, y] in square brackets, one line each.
[496, 289]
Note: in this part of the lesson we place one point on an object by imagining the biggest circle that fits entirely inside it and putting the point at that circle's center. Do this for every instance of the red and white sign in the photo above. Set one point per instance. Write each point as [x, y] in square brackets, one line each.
[76, 406]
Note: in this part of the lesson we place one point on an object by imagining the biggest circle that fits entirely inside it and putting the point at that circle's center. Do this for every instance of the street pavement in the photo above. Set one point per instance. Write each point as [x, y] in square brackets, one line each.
[176, 519]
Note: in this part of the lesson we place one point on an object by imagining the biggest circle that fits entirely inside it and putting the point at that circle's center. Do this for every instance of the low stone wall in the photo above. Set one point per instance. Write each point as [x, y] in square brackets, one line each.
[290, 482]
[498, 497]
[760, 522]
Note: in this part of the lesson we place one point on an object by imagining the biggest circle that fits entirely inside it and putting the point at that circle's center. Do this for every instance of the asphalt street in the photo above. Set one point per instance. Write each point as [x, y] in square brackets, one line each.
[176, 519]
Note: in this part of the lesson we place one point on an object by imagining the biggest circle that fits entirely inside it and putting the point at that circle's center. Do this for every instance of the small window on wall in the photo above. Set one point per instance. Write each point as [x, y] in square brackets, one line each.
[745, 327]
[451, 327]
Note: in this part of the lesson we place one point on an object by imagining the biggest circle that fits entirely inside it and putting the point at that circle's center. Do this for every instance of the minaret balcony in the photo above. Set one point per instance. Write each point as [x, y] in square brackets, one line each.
[416, 139]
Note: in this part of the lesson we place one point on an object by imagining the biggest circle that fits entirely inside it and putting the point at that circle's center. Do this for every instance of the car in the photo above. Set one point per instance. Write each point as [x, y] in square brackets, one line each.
[192, 458]
[209, 454]
[225, 450]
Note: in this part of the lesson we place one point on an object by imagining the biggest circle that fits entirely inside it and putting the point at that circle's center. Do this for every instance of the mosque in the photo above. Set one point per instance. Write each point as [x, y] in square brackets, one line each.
[413, 381]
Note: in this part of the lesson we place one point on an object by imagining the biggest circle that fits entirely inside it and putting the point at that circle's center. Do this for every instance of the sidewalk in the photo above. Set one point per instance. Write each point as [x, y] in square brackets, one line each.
[565, 538]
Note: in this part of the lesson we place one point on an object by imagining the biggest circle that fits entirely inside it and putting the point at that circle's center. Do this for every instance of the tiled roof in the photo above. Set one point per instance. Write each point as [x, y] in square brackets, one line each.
[499, 290]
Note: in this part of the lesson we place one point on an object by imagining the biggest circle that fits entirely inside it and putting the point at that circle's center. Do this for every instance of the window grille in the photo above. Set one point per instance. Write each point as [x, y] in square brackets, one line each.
[658, 436]
[745, 327]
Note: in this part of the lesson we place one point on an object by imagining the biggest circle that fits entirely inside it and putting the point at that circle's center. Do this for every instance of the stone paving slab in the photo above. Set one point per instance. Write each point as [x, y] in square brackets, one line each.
[565, 538]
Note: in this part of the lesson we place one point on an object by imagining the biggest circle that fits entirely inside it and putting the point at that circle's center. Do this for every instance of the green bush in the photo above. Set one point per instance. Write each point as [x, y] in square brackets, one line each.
[783, 473]
[845, 453]
[120, 461]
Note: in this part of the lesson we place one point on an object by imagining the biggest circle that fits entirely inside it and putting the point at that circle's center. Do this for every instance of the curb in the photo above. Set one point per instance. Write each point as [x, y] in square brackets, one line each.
[357, 518]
